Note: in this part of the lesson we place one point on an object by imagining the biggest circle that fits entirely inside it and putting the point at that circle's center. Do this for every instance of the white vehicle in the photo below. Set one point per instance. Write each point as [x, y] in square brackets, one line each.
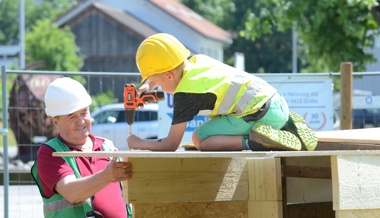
[109, 122]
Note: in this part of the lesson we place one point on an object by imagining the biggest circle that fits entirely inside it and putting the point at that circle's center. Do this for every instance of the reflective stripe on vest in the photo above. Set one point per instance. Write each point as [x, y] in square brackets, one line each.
[56, 206]
[238, 93]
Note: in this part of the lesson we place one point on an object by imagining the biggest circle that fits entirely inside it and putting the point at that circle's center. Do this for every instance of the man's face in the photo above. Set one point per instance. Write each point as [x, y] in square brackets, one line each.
[74, 127]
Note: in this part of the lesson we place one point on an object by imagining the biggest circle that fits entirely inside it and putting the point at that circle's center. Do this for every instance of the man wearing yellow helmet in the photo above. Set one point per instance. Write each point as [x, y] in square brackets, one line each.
[246, 112]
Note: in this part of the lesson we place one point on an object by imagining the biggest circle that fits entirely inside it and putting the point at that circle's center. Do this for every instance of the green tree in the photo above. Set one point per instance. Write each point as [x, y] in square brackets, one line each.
[330, 32]
[54, 46]
[215, 11]
[9, 25]
[269, 53]
[10, 13]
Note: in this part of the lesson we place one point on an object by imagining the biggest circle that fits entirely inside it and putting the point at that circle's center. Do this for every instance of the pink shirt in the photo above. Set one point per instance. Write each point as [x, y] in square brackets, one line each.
[108, 201]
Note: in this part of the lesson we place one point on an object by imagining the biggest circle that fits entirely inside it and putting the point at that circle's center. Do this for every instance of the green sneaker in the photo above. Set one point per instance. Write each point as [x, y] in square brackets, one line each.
[297, 125]
[264, 138]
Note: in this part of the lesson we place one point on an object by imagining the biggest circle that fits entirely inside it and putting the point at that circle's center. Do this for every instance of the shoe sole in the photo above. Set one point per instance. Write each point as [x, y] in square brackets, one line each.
[276, 140]
[299, 128]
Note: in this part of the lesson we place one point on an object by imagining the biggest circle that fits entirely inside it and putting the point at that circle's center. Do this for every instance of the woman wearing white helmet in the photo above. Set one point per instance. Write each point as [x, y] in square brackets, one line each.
[81, 186]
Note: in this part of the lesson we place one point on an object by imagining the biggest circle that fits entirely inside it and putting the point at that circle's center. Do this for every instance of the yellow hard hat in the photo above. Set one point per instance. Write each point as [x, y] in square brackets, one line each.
[159, 53]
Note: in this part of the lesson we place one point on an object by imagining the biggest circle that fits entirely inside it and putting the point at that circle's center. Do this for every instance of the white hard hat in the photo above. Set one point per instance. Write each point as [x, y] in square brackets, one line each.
[65, 96]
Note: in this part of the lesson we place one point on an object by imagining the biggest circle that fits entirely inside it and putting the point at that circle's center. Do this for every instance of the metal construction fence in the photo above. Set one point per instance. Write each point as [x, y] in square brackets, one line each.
[25, 125]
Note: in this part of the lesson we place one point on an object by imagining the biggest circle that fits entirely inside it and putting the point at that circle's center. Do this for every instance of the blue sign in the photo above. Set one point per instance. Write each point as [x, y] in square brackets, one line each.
[193, 124]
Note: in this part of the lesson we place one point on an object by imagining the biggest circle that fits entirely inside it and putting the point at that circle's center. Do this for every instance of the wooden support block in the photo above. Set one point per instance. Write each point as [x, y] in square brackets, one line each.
[264, 179]
[265, 209]
[183, 180]
[356, 183]
[265, 196]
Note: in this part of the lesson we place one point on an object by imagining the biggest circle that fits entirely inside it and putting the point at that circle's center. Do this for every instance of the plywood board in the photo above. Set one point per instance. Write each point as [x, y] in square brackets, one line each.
[368, 136]
[185, 210]
[329, 143]
[215, 154]
[180, 180]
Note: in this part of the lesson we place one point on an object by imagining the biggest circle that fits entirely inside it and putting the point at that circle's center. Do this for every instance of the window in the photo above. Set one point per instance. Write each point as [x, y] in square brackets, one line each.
[113, 116]
[106, 117]
[146, 116]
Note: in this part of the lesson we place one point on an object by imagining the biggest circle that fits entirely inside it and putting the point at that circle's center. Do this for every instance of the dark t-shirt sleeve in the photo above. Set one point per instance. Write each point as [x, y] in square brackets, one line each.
[188, 105]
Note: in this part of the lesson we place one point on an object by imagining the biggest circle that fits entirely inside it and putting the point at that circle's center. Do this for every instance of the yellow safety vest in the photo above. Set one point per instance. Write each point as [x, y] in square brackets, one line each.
[238, 93]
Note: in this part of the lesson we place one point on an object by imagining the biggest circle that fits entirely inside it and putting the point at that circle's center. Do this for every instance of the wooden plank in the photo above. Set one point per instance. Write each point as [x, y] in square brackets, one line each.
[264, 179]
[265, 196]
[311, 210]
[314, 161]
[306, 172]
[346, 95]
[183, 210]
[284, 205]
[163, 154]
[354, 145]
[361, 136]
[180, 180]
[284, 184]
[217, 154]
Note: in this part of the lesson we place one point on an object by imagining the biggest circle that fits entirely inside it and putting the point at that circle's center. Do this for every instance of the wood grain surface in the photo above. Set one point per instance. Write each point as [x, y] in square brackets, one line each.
[348, 142]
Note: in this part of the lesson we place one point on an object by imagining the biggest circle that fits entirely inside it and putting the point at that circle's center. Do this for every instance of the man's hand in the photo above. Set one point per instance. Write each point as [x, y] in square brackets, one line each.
[79, 189]
[119, 171]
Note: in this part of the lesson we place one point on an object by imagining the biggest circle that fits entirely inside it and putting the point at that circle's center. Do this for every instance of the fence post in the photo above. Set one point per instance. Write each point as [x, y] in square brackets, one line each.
[346, 95]
[4, 132]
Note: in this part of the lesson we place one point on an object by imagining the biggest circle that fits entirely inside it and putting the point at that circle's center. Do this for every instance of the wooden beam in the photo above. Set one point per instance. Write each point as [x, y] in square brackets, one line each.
[328, 146]
[311, 210]
[346, 95]
[265, 196]
[306, 172]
